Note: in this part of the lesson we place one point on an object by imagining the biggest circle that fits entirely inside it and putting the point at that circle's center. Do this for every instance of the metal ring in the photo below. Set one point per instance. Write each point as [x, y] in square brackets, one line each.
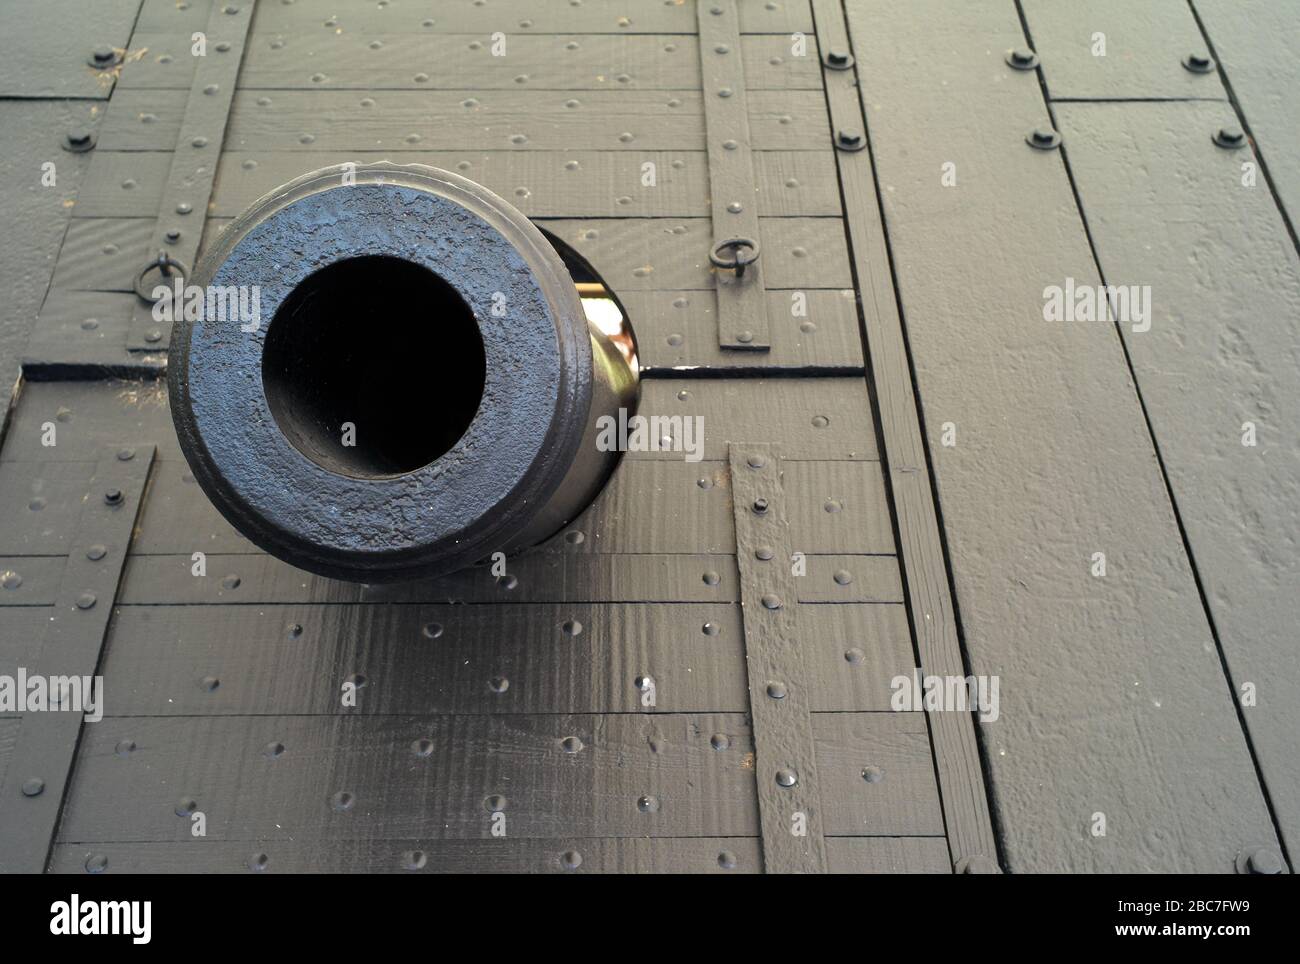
[164, 264]
[739, 260]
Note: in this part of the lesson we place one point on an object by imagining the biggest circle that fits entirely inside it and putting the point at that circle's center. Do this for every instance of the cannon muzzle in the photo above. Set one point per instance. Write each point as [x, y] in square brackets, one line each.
[392, 376]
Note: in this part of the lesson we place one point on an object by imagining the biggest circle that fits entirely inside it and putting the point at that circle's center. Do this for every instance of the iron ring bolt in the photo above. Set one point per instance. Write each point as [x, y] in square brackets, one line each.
[743, 252]
[166, 265]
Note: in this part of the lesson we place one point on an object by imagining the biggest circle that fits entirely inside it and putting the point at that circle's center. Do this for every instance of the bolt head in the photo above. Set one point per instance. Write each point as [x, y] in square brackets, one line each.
[1230, 138]
[837, 59]
[1198, 63]
[1043, 138]
[848, 139]
[1264, 860]
[1022, 58]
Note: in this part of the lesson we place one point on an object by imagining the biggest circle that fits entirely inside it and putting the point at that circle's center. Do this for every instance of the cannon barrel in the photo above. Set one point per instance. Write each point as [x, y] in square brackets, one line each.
[392, 376]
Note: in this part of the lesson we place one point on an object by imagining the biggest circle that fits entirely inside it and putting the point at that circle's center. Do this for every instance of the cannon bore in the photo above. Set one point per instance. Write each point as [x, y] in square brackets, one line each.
[420, 387]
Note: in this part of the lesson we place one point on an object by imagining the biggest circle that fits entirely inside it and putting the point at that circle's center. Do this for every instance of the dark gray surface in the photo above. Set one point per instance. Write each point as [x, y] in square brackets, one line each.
[1223, 350]
[45, 47]
[1123, 705]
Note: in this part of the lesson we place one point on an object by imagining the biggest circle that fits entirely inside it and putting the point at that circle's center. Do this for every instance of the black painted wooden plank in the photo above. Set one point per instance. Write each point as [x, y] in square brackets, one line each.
[1225, 293]
[32, 793]
[780, 691]
[637, 855]
[1052, 463]
[536, 577]
[278, 778]
[924, 563]
[432, 60]
[1254, 42]
[1116, 50]
[30, 580]
[142, 120]
[613, 120]
[40, 503]
[123, 184]
[45, 48]
[578, 658]
[540, 16]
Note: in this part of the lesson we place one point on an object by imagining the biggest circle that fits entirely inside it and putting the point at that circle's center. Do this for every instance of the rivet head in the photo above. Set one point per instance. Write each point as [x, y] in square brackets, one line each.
[977, 864]
[230, 582]
[764, 553]
[771, 601]
[1198, 63]
[570, 860]
[86, 600]
[343, 801]
[711, 578]
[838, 59]
[33, 787]
[78, 140]
[720, 741]
[571, 744]
[727, 860]
[414, 860]
[873, 774]
[494, 803]
[153, 336]
[756, 461]
[186, 806]
[848, 139]
[1261, 860]
[125, 454]
[10, 579]
[1043, 139]
[572, 627]
[710, 629]
[648, 804]
[498, 684]
[258, 862]
[96, 864]
[786, 777]
[1022, 58]
[761, 506]
[776, 690]
[843, 577]
[113, 497]
[744, 337]
[1230, 137]
[102, 56]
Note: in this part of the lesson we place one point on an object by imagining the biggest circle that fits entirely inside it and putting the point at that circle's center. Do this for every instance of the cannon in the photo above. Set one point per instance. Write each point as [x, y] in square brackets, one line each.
[416, 386]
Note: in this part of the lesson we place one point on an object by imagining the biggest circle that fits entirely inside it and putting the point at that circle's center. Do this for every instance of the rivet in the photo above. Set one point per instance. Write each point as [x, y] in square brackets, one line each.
[744, 337]
[764, 553]
[78, 141]
[1022, 58]
[837, 59]
[343, 801]
[498, 684]
[257, 863]
[756, 461]
[432, 630]
[422, 747]
[494, 803]
[572, 627]
[414, 860]
[96, 864]
[230, 582]
[294, 630]
[210, 684]
[273, 750]
[977, 864]
[873, 774]
[113, 497]
[850, 140]
[643, 683]
[103, 57]
[727, 860]
[730, 145]
[776, 690]
[820, 421]
[771, 601]
[1264, 860]
[184, 208]
[507, 582]
[1230, 137]
[785, 777]
[854, 657]
[711, 578]
[172, 236]
[571, 744]
[186, 806]
[33, 787]
[86, 600]
[1198, 63]
[843, 577]
[124, 748]
[10, 579]
[761, 506]
[720, 741]
[153, 336]
[125, 454]
[1043, 139]
[648, 804]
[570, 860]
[735, 207]
[710, 629]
